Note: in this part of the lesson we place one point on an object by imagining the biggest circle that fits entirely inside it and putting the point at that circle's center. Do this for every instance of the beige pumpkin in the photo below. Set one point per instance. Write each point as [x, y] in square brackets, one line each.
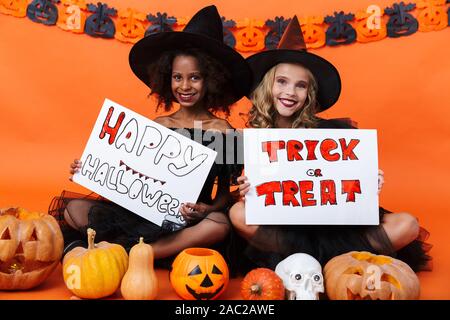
[140, 281]
[366, 276]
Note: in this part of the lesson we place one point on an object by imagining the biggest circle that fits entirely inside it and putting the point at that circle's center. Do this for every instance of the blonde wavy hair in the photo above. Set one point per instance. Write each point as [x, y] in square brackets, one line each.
[263, 112]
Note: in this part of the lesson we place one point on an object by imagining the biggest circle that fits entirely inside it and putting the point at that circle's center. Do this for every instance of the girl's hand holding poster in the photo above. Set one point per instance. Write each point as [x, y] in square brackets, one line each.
[143, 166]
[311, 176]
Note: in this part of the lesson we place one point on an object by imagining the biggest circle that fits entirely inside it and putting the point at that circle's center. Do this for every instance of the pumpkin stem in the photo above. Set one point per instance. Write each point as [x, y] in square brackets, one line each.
[91, 238]
[255, 289]
[141, 240]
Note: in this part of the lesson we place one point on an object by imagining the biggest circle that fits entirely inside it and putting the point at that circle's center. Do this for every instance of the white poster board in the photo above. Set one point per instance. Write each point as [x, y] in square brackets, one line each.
[311, 176]
[143, 166]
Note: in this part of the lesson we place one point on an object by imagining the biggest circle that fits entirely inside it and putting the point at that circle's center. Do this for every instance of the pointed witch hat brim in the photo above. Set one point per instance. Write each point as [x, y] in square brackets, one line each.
[204, 31]
[292, 49]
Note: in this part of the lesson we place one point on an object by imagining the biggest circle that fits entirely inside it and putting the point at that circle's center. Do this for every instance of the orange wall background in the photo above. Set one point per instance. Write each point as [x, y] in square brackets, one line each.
[53, 83]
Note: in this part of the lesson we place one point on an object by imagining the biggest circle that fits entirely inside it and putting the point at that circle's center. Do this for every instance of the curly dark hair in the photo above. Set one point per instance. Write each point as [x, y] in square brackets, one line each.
[219, 91]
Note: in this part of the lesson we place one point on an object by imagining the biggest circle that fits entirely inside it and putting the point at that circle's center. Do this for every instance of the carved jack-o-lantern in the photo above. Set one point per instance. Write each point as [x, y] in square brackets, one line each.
[313, 32]
[433, 16]
[31, 245]
[16, 8]
[367, 31]
[130, 27]
[362, 275]
[250, 37]
[199, 274]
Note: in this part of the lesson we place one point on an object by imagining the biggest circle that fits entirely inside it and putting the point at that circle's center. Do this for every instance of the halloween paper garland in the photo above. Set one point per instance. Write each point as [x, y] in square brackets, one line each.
[249, 35]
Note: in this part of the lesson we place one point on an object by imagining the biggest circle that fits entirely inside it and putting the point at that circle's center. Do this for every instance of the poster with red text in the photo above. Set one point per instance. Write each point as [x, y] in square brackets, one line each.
[143, 166]
[311, 176]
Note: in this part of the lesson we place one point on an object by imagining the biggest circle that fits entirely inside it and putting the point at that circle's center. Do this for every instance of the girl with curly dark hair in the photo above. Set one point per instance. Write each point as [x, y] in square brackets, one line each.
[196, 70]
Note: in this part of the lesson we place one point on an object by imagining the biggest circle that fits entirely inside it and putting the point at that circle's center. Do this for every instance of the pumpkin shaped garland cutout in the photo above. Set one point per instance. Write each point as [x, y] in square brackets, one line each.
[432, 17]
[31, 246]
[199, 274]
[16, 8]
[313, 32]
[250, 36]
[365, 34]
[365, 276]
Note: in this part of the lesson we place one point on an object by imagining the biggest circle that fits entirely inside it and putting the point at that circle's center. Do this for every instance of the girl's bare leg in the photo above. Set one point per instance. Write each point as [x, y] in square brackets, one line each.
[237, 217]
[401, 228]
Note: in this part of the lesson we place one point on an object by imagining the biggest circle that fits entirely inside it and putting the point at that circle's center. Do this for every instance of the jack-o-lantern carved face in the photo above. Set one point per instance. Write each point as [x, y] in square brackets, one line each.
[251, 36]
[16, 8]
[364, 33]
[43, 11]
[31, 245]
[130, 27]
[313, 32]
[365, 276]
[401, 23]
[72, 15]
[432, 17]
[199, 274]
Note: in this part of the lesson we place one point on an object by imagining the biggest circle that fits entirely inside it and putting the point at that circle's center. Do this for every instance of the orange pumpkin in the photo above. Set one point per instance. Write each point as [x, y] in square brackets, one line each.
[262, 284]
[313, 32]
[362, 275]
[250, 36]
[199, 274]
[96, 271]
[31, 246]
[433, 17]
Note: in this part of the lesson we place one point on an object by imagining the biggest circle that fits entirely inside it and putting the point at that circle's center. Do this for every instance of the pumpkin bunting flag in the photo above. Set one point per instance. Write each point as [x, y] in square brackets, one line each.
[250, 35]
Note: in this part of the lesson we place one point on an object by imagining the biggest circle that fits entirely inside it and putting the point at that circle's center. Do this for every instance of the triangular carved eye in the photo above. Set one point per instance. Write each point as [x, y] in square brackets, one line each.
[216, 270]
[195, 271]
[6, 235]
[33, 236]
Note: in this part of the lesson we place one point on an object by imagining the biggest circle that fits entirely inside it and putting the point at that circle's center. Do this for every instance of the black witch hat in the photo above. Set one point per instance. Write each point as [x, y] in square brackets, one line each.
[292, 49]
[203, 31]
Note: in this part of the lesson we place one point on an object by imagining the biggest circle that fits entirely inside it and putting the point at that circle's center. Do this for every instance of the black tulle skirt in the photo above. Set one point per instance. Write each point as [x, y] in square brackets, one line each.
[271, 244]
[109, 220]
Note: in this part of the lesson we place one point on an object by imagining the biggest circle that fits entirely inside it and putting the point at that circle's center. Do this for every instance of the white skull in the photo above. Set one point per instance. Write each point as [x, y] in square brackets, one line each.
[302, 276]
